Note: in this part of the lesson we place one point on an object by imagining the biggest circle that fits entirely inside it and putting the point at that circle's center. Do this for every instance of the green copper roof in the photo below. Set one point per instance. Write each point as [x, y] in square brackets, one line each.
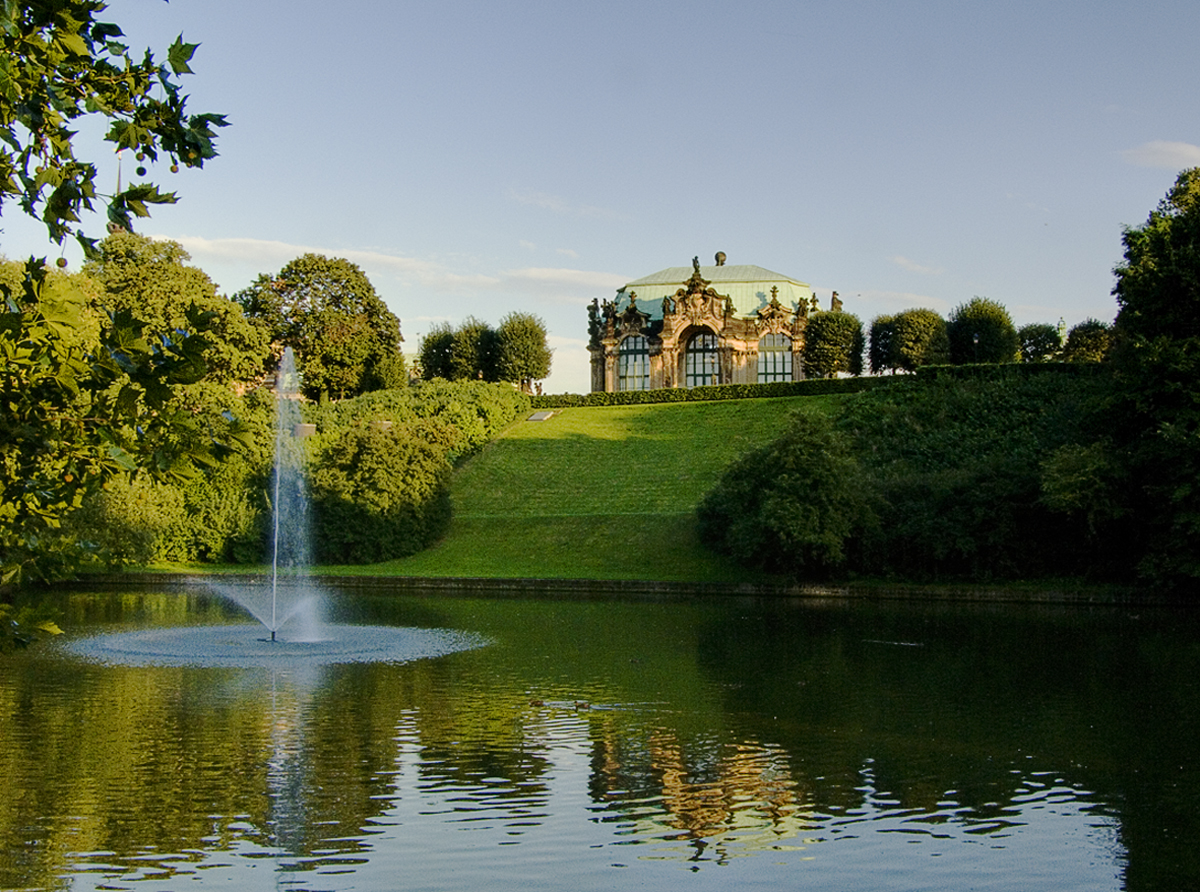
[748, 286]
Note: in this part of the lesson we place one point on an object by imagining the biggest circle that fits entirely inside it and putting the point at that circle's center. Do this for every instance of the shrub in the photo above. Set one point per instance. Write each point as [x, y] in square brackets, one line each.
[135, 521]
[378, 495]
[949, 473]
[789, 506]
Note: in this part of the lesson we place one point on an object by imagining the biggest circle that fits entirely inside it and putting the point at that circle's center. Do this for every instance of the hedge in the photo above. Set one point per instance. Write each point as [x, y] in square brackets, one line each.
[985, 371]
[807, 387]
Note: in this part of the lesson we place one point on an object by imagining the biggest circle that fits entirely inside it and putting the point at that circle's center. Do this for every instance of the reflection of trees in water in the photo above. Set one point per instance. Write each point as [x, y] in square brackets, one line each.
[962, 711]
[764, 728]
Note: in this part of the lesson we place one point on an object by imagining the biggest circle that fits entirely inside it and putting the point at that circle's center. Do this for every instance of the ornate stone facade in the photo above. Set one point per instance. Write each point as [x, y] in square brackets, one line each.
[697, 335]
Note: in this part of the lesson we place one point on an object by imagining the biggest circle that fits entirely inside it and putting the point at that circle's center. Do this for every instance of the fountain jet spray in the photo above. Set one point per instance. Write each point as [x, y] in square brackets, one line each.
[285, 597]
[289, 504]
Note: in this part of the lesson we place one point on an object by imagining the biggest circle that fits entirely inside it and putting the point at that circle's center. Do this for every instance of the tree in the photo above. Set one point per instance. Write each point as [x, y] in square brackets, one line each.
[1040, 342]
[522, 356]
[1158, 283]
[61, 64]
[473, 353]
[75, 414]
[151, 278]
[1089, 341]
[1153, 420]
[346, 340]
[78, 409]
[833, 343]
[883, 330]
[919, 338]
[436, 350]
[982, 331]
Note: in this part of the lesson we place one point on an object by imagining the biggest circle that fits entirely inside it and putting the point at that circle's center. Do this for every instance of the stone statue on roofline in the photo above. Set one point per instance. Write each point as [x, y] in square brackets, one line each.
[835, 303]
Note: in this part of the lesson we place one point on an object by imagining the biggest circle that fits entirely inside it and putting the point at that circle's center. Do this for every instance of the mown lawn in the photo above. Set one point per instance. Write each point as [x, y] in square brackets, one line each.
[599, 493]
[594, 493]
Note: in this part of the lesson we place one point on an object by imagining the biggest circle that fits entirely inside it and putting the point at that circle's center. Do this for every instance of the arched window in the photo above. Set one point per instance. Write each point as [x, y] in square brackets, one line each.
[774, 358]
[701, 361]
[633, 364]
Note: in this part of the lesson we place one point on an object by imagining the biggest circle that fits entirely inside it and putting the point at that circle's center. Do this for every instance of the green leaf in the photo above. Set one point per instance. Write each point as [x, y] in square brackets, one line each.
[180, 54]
[74, 43]
[121, 458]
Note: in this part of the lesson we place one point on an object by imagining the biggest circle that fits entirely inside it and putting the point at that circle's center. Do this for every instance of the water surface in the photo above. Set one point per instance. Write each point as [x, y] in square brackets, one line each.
[589, 744]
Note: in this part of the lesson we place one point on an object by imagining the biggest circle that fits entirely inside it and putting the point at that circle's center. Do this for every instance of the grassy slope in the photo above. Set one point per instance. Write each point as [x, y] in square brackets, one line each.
[598, 493]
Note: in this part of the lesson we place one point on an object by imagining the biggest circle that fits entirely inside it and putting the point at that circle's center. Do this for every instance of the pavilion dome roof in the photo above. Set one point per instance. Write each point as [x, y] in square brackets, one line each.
[748, 286]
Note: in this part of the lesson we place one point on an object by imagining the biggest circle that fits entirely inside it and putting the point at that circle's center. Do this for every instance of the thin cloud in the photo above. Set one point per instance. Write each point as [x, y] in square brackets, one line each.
[913, 267]
[1164, 155]
[568, 252]
[559, 205]
[271, 255]
[571, 279]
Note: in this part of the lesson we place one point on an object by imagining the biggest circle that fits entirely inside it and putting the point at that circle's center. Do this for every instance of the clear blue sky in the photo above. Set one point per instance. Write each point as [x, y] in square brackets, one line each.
[483, 157]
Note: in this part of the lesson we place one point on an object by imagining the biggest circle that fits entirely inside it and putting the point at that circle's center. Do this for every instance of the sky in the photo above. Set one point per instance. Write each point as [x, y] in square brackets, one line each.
[478, 157]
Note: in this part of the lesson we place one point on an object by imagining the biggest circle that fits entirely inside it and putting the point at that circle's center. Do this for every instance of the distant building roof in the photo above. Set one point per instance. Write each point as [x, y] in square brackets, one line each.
[749, 287]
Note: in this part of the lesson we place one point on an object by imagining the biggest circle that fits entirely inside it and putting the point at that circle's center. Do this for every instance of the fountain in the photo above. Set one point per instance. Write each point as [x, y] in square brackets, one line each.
[286, 599]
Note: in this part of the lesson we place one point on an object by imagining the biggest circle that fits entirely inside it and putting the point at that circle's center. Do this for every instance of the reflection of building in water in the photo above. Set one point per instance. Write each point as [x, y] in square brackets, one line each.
[739, 797]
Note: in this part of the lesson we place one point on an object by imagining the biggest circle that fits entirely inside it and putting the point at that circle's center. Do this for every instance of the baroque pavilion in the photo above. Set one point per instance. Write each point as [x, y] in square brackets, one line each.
[719, 325]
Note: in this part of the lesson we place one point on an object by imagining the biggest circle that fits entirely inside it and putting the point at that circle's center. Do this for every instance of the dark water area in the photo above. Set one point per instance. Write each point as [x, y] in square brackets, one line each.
[707, 743]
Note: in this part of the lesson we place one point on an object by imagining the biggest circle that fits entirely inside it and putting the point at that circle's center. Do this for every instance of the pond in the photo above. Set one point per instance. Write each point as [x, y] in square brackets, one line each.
[587, 743]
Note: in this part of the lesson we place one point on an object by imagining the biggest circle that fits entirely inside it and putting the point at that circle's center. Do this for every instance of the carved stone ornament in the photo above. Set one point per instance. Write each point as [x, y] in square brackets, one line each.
[774, 317]
[696, 299]
[631, 320]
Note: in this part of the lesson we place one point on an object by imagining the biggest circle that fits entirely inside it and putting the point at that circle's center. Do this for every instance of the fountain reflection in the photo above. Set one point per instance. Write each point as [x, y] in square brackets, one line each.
[530, 754]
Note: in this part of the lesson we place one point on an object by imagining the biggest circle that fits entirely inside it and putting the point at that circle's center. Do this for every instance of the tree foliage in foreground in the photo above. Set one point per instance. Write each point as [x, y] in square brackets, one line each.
[1158, 282]
[60, 64]
[1151, 429]
[77, 415]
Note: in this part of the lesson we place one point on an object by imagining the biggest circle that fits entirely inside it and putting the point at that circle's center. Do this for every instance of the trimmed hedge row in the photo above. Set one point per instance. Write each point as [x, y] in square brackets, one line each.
[808, 387]
[985, 371]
